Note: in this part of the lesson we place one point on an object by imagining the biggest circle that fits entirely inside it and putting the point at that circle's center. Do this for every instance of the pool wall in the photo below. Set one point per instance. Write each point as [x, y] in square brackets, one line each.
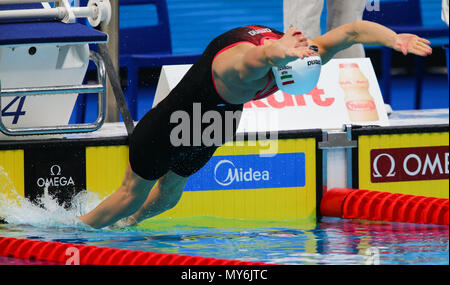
[407, 160]
[241, 181]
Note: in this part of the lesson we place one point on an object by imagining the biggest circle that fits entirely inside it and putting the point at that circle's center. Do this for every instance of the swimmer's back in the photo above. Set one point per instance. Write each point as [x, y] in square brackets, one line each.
[198, 85]
[152, 153]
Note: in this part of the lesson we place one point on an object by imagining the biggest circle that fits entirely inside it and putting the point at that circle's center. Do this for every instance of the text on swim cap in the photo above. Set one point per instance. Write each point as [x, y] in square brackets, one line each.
[287, 67]
[257, 32]
[313, 62]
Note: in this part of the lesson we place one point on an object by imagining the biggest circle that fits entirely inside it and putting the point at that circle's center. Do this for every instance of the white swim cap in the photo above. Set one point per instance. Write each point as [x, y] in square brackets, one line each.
[300, 76]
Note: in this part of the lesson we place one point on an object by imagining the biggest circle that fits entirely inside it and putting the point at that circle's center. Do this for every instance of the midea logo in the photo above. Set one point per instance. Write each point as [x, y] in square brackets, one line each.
[235, 174]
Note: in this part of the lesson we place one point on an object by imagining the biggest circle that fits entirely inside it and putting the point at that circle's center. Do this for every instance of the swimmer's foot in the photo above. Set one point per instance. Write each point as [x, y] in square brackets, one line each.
[123, 223]
[77, 222]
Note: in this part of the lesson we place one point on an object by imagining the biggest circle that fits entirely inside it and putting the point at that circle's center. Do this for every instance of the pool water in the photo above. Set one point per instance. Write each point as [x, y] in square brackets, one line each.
[306, 241]
[330, 241]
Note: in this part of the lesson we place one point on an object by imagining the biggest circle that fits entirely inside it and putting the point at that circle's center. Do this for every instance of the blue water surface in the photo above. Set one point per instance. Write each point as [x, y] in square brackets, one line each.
[331, 241]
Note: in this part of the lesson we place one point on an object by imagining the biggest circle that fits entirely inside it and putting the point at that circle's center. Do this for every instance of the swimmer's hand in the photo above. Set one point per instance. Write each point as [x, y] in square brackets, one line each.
[409, 43]
[291, 46]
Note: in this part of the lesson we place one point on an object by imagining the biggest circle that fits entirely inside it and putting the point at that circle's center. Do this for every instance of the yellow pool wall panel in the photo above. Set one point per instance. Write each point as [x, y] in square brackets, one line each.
[256, 204]
[12, 172]
[105, 167]
[429, 188]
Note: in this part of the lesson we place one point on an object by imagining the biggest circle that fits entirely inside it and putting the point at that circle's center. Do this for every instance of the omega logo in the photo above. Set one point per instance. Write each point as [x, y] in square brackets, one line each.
[391, 172]
[55, 170]
[56, 179]
[406, 164]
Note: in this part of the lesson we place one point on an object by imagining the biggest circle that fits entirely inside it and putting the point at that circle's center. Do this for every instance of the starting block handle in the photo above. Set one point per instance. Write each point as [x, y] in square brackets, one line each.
[25, 1]
[99, 88]
[97, 11]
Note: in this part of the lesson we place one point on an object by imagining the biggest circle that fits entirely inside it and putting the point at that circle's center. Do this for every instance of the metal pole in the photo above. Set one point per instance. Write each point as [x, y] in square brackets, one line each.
[52, 90]
[24, 1]
[112, 29]
[57, 13]
[48, 14]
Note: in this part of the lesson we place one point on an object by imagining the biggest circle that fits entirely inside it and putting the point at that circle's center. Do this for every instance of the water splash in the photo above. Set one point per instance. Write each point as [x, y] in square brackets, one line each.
[45, 211]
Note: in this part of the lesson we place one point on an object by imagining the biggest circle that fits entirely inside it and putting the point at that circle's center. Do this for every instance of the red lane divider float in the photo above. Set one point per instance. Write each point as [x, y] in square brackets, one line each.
[68, 253]
[384, 206]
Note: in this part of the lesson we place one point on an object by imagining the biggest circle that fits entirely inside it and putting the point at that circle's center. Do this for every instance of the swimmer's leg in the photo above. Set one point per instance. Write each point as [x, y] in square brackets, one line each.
[130, 196]
[164, 196]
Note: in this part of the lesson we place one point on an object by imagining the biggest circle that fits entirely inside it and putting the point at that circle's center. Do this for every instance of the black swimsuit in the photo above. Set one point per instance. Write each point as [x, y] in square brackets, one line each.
[152, 154]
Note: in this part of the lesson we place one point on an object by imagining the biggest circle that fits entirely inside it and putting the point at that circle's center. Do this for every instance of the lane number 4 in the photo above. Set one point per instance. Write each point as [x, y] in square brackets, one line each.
[8, 110]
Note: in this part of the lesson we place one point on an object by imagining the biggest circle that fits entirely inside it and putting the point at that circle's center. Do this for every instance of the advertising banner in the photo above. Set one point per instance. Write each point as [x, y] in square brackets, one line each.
[347, 93]
[62, 172]
[413, 161]
[240, 183]
[250, 172]
[409, 164]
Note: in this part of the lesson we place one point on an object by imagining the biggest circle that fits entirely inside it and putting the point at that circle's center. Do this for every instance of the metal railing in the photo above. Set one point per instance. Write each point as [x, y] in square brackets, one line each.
[99, 88]
[97, 11]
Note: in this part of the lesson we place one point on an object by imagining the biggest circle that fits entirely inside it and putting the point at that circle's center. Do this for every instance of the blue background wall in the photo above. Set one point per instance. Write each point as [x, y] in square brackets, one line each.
[194, 23]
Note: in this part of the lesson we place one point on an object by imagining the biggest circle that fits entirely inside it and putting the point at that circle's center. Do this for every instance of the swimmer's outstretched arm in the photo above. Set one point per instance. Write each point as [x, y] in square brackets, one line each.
[365, 32]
